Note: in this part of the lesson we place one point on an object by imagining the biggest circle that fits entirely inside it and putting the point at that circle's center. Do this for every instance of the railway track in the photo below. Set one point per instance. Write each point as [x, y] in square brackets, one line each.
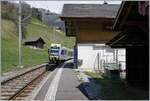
[19, 87]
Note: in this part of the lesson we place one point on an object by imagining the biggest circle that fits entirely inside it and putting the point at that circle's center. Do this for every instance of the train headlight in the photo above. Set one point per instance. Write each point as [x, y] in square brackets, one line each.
[51, 57]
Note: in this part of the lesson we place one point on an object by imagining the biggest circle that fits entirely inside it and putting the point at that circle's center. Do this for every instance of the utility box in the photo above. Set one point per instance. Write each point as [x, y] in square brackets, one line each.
[112, 71]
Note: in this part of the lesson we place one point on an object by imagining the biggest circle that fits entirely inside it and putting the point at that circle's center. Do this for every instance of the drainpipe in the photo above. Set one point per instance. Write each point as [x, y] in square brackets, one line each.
[116, 56]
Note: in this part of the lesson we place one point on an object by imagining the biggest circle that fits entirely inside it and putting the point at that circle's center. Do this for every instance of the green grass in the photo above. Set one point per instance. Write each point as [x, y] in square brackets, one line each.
[29, 56]
[9, 45]
[32, 57]
[114, 89]
[36, 20]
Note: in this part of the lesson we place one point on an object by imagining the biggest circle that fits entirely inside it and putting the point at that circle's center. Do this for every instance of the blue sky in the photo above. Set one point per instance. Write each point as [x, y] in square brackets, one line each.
[56, 6]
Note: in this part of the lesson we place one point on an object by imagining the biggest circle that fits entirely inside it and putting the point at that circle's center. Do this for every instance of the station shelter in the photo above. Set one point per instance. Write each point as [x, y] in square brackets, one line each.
[119, 26]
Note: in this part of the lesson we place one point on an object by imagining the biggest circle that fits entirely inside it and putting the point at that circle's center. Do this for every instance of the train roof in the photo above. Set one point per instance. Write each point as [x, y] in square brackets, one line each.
[59, 45]
[56, 45]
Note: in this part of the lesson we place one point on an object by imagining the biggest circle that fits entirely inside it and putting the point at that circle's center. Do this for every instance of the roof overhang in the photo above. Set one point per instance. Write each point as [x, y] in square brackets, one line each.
[133, 26]
[128, 15]
[129, 38]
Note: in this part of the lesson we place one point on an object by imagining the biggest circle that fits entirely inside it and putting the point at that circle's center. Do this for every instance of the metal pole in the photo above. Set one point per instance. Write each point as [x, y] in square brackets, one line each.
[0, 39]
[116, 56]
[53, 34]
[98, 61]
[20, 35]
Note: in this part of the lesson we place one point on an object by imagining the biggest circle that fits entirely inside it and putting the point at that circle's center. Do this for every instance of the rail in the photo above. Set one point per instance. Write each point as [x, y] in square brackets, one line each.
[12, 87]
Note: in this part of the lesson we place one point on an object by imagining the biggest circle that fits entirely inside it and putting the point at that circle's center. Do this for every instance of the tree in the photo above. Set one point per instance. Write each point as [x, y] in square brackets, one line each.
[36, 13]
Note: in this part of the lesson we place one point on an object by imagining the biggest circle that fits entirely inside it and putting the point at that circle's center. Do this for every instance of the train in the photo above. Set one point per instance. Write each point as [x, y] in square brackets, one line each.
[58, 53]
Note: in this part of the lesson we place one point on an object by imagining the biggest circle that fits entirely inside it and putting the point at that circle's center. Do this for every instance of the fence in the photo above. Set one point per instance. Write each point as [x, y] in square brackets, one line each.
[101, 60]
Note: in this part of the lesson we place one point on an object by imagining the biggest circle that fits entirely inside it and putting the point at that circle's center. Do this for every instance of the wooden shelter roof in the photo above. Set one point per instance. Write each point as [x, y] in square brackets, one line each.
[90, 22]
[132, 24]
[129, 15]
[89, 11]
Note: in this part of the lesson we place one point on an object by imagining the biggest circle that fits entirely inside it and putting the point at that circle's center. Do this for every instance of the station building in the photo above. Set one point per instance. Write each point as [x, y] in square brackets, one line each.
[93, 57]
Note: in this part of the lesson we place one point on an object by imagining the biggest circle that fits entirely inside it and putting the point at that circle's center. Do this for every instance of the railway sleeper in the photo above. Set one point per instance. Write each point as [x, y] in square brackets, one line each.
[4, 97]
[9, 90]
[7, 93]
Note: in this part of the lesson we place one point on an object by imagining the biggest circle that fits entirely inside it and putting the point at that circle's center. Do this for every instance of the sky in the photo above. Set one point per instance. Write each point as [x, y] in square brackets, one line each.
[56, 6]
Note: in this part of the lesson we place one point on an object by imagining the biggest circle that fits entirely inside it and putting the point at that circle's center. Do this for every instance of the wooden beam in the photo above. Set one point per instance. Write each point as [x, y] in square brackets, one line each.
[118, 39]
[126, 15]
[88, 18]
[136, 23]
[122, 15]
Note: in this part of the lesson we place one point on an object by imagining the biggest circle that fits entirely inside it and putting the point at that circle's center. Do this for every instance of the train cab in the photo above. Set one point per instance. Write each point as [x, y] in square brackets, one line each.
[58, 53]
[54, 52]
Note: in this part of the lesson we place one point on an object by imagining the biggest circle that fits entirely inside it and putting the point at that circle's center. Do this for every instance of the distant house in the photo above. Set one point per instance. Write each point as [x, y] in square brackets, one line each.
[35, 42]
[95, 56]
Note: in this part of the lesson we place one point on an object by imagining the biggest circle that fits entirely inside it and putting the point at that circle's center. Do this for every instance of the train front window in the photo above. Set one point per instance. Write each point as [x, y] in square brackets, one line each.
[55, 47]
[54, 52]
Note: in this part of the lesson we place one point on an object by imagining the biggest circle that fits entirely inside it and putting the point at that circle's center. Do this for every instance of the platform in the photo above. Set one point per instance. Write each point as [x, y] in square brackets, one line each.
[61, 84]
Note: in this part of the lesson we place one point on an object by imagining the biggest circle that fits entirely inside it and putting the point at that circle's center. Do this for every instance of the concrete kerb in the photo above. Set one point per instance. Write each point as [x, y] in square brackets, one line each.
[36, 90]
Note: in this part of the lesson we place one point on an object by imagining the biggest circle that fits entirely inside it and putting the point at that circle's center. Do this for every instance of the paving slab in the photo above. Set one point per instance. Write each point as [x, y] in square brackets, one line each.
[42, 92]
[68, 88]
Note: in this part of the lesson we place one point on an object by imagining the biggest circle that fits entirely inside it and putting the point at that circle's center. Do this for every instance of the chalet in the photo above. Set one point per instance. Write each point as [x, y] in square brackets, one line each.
[35, 42]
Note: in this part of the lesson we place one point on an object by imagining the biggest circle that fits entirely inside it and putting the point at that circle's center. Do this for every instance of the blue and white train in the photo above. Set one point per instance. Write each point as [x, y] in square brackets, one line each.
[58, 53]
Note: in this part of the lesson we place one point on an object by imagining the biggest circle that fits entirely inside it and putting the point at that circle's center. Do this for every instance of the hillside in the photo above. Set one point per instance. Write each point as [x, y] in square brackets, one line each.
[38, 29]
[52, 19]
[30, 56]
